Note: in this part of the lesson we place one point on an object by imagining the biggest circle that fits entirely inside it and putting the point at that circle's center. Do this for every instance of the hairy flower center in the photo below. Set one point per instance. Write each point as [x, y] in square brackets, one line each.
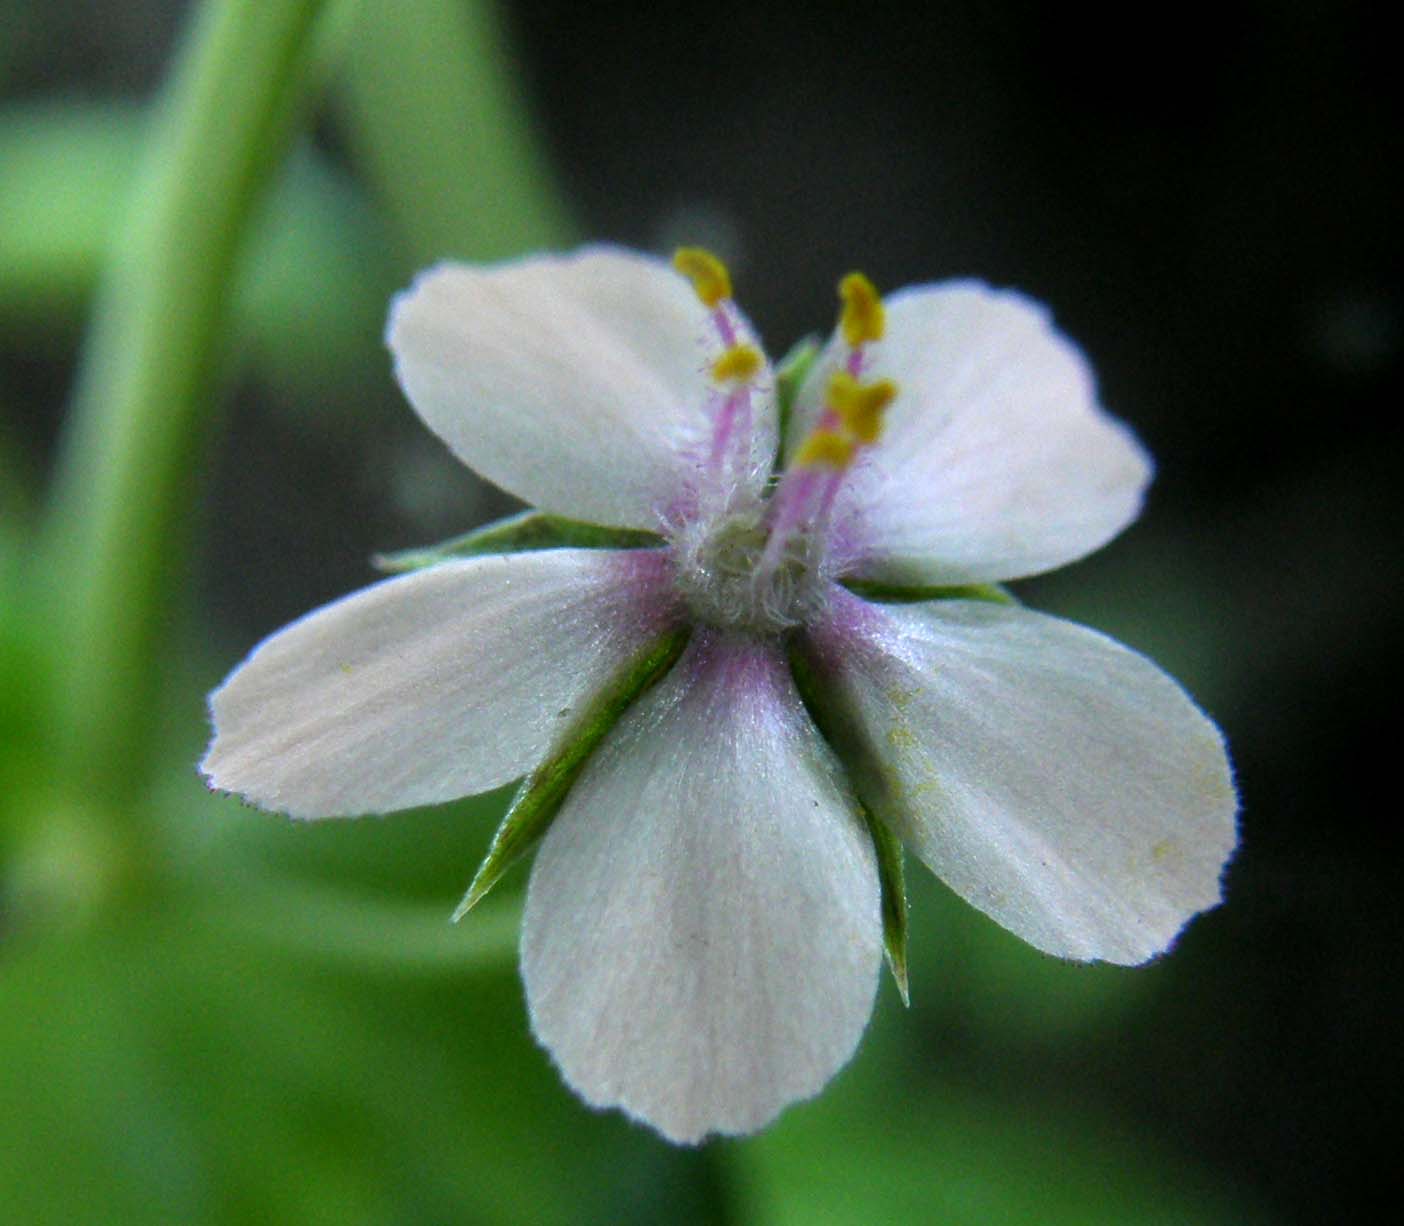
[732, 578]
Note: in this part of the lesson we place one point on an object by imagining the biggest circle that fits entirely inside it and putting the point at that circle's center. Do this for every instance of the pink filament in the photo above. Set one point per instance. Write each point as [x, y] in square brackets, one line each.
[734, 419]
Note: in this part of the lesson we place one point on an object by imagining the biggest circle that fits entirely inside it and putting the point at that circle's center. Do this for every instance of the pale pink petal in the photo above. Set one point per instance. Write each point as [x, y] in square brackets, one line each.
[702, 932]
[433, 685]
[578, 383]
[995, 461]
[1058, 781]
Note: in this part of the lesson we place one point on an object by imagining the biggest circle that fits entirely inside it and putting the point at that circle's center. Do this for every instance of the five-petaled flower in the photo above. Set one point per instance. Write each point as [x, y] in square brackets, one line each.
[761, 649]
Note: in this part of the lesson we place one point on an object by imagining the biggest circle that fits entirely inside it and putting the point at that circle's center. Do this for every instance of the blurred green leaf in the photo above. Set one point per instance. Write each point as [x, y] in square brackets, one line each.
[24, 676]
[313, 292]
[333, 926]
[312, 286]
[1002, 990]
[169, 1069]
[17, 484]
[893, 1141]
[436, 119]
[64, 169]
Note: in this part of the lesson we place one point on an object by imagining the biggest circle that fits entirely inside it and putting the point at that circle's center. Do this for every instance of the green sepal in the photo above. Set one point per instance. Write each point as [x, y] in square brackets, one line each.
[900, 593]
[837, 731]
[530, 530]
[541, 794]
[790, 374]
[894, 898]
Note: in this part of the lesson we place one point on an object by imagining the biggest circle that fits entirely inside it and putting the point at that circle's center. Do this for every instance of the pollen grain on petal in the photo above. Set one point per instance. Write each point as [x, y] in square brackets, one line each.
[710, 279]
[863, 317]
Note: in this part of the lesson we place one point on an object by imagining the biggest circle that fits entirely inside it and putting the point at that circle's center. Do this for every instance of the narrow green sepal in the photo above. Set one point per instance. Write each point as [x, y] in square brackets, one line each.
[894, 898]
[835, 730]
[541, 794]
[792, 371]
[899, 593]
[523, 533]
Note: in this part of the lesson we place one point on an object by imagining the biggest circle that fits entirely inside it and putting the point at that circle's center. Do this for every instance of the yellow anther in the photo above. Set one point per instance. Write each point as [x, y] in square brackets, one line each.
[708, 274]
[860, 406]
[826, 447]
[862, 318]
[740, 363]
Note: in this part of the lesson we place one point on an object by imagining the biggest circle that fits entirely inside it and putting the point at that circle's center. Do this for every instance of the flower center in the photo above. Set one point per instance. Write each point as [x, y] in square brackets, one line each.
[729, 579]
[751, 560]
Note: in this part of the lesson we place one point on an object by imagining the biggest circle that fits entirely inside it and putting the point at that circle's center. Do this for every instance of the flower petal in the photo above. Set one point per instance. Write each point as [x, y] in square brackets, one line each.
[995, 460]
[1058, 781]
[578, 383]
[702, 932]
[433, 685]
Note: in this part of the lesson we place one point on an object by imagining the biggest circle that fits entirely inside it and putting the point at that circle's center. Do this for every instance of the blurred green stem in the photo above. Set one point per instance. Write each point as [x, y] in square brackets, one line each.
[439, 126]
[114, 544]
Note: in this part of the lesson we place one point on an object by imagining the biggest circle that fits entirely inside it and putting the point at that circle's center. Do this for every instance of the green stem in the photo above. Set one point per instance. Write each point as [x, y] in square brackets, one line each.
[439, 127]
[115, 538]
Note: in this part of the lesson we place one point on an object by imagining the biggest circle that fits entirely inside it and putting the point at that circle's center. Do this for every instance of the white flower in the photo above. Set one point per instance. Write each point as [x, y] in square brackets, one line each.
[705, 917]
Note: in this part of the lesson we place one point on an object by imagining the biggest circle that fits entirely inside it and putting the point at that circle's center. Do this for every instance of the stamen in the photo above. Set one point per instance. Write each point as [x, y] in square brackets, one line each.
[827, 447]
[860, 406]
[804, 502]
[739, 364]
[862, 318]
[710, 280]
[730, 429]
[759, 559]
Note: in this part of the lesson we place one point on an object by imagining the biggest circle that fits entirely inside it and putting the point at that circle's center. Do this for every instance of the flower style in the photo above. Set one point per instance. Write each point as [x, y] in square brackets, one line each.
[761, 648]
